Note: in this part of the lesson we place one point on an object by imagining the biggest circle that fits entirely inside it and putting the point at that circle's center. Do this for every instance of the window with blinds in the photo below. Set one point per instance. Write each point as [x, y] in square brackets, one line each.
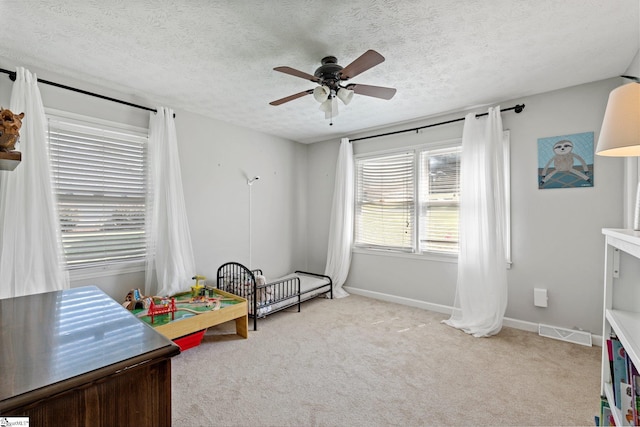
[385, 208]
[439, 200]
[409, 200]
[100, 180]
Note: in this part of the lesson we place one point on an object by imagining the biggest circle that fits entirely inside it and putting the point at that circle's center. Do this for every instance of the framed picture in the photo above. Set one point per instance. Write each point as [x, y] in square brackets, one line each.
[566, 161]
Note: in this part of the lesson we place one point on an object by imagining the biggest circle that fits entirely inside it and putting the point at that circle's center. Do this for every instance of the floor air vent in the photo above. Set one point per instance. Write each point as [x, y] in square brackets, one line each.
[569, 335]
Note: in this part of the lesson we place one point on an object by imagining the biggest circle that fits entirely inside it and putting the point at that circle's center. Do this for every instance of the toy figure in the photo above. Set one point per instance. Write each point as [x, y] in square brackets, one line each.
[195, 290]
[10, 125]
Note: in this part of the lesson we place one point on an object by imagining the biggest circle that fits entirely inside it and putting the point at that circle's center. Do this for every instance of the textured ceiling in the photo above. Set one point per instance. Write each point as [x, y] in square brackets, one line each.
[216, 57]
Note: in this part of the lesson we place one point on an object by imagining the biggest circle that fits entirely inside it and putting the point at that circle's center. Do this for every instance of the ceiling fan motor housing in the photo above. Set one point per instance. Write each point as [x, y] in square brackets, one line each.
[329, 72]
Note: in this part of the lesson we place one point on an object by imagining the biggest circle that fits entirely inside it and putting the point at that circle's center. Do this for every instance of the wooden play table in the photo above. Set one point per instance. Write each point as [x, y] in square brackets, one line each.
[192, 317]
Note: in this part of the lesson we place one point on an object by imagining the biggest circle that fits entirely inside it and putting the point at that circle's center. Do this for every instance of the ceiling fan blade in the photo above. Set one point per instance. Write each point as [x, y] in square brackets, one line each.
[369, 59]
[375, 91]
[291, 97]
[297, 73]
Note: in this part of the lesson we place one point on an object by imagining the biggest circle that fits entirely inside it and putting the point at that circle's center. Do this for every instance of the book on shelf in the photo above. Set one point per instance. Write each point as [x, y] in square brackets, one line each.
[625, 382]
[627, 404]
[634, 384]
[605, 418]
[637, 393]
[619, 374]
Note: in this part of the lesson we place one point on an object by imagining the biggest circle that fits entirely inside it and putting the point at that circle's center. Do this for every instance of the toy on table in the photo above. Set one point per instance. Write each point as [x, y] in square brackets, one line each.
[203, 300]
[165, 306]
[135, 300]
[195, 290]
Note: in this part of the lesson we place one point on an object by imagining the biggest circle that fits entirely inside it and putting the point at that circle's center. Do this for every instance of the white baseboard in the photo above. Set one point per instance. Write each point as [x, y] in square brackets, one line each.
[445, 309]
[400, 300]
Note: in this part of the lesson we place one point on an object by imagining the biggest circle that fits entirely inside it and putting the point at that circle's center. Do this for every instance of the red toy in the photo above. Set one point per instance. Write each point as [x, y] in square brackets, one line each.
[155, 310]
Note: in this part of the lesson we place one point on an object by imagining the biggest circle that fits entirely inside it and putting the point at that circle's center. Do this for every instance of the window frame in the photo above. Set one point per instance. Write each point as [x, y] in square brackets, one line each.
[106, 268]
[432, 255]
[451, 146]
[387, 248]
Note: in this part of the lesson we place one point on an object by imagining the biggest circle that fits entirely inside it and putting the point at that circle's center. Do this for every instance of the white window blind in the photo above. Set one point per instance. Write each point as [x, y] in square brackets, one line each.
[100, 175]
[439, 200]
[385, 206]
[409, 200]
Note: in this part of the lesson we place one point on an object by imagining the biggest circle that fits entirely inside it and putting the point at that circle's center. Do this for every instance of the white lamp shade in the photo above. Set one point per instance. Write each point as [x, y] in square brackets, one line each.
[345, 95]
[330, 108]
[326, 106]
[321, 93]
[620, 132]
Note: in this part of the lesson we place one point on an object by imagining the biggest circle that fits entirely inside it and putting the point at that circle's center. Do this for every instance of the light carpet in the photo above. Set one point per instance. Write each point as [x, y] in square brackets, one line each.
[358, 361]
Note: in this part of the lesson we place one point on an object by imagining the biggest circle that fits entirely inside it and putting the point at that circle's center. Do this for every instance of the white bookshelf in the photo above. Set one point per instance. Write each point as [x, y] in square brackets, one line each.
[624, 323]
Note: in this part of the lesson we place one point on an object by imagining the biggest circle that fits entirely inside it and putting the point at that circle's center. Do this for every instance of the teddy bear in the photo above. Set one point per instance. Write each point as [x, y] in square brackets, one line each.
[10, 125]
[264, 294]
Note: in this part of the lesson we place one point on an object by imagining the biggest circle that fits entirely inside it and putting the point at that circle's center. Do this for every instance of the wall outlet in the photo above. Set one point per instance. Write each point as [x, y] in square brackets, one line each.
[540, 298]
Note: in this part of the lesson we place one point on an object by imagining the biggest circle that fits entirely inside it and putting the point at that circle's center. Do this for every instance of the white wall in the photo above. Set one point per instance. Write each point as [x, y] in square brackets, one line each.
[215, 158]
[556, 234]
[634, 68]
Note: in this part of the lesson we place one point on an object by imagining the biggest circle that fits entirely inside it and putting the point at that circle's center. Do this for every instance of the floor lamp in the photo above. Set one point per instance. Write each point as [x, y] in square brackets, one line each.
[250, 182]
[620, 132]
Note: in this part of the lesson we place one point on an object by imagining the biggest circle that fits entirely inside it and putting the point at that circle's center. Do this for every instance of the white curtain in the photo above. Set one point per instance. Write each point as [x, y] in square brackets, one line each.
[341, 225]
[481, 294]
[31, 259]
[170, 261]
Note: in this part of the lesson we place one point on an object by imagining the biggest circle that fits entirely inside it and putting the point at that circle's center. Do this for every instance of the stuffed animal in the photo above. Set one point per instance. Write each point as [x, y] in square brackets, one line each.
[10, 125]
[264, 294]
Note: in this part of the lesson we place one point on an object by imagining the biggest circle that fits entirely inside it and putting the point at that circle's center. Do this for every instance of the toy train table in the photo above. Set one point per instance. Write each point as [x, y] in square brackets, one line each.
[184, 318]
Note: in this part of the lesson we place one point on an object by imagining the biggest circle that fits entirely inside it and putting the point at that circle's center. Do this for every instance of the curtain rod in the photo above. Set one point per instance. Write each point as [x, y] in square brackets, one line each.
[518, 109]
[12, 76]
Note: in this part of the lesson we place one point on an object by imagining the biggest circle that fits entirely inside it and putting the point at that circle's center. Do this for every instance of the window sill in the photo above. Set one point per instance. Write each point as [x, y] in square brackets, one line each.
[105, 271]
[426, 256]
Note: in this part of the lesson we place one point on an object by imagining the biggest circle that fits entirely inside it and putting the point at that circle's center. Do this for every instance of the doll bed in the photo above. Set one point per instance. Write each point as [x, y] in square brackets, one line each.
[273, 296]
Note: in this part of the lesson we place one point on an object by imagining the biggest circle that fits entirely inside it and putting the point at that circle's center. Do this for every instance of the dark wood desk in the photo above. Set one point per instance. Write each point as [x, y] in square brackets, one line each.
[78, 358]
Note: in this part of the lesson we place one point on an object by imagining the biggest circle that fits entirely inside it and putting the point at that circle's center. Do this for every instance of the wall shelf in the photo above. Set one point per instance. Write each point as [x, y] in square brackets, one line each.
[9, 160]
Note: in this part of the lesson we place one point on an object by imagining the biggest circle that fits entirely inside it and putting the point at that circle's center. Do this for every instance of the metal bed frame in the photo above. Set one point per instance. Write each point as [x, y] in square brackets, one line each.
[271, 297]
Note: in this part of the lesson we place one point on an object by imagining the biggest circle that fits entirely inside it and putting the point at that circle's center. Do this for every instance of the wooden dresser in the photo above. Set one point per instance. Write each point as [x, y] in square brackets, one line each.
[78, 358]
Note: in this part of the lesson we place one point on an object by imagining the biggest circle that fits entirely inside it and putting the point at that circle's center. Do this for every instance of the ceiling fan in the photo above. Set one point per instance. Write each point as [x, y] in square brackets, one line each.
[331, 79]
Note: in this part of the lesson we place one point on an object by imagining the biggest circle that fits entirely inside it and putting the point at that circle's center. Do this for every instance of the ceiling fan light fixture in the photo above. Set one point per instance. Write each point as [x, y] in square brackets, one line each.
[321, 93]
[330, 107]
[345, 95]
[326, 106]
[330, 77]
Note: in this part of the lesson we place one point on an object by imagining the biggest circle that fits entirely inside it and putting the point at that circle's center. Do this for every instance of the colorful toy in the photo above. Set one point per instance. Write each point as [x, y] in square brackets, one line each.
[208, 290]
[206, 301]
[195, 290]
[135, 300]
[164, 307]
[191, 314]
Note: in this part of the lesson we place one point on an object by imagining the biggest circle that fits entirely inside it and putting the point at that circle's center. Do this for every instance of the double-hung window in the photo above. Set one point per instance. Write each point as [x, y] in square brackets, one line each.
[99, 172]
[409, 200]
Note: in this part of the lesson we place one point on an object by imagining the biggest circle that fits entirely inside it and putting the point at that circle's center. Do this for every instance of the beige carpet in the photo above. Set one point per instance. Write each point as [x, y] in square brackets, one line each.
[362, 362]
